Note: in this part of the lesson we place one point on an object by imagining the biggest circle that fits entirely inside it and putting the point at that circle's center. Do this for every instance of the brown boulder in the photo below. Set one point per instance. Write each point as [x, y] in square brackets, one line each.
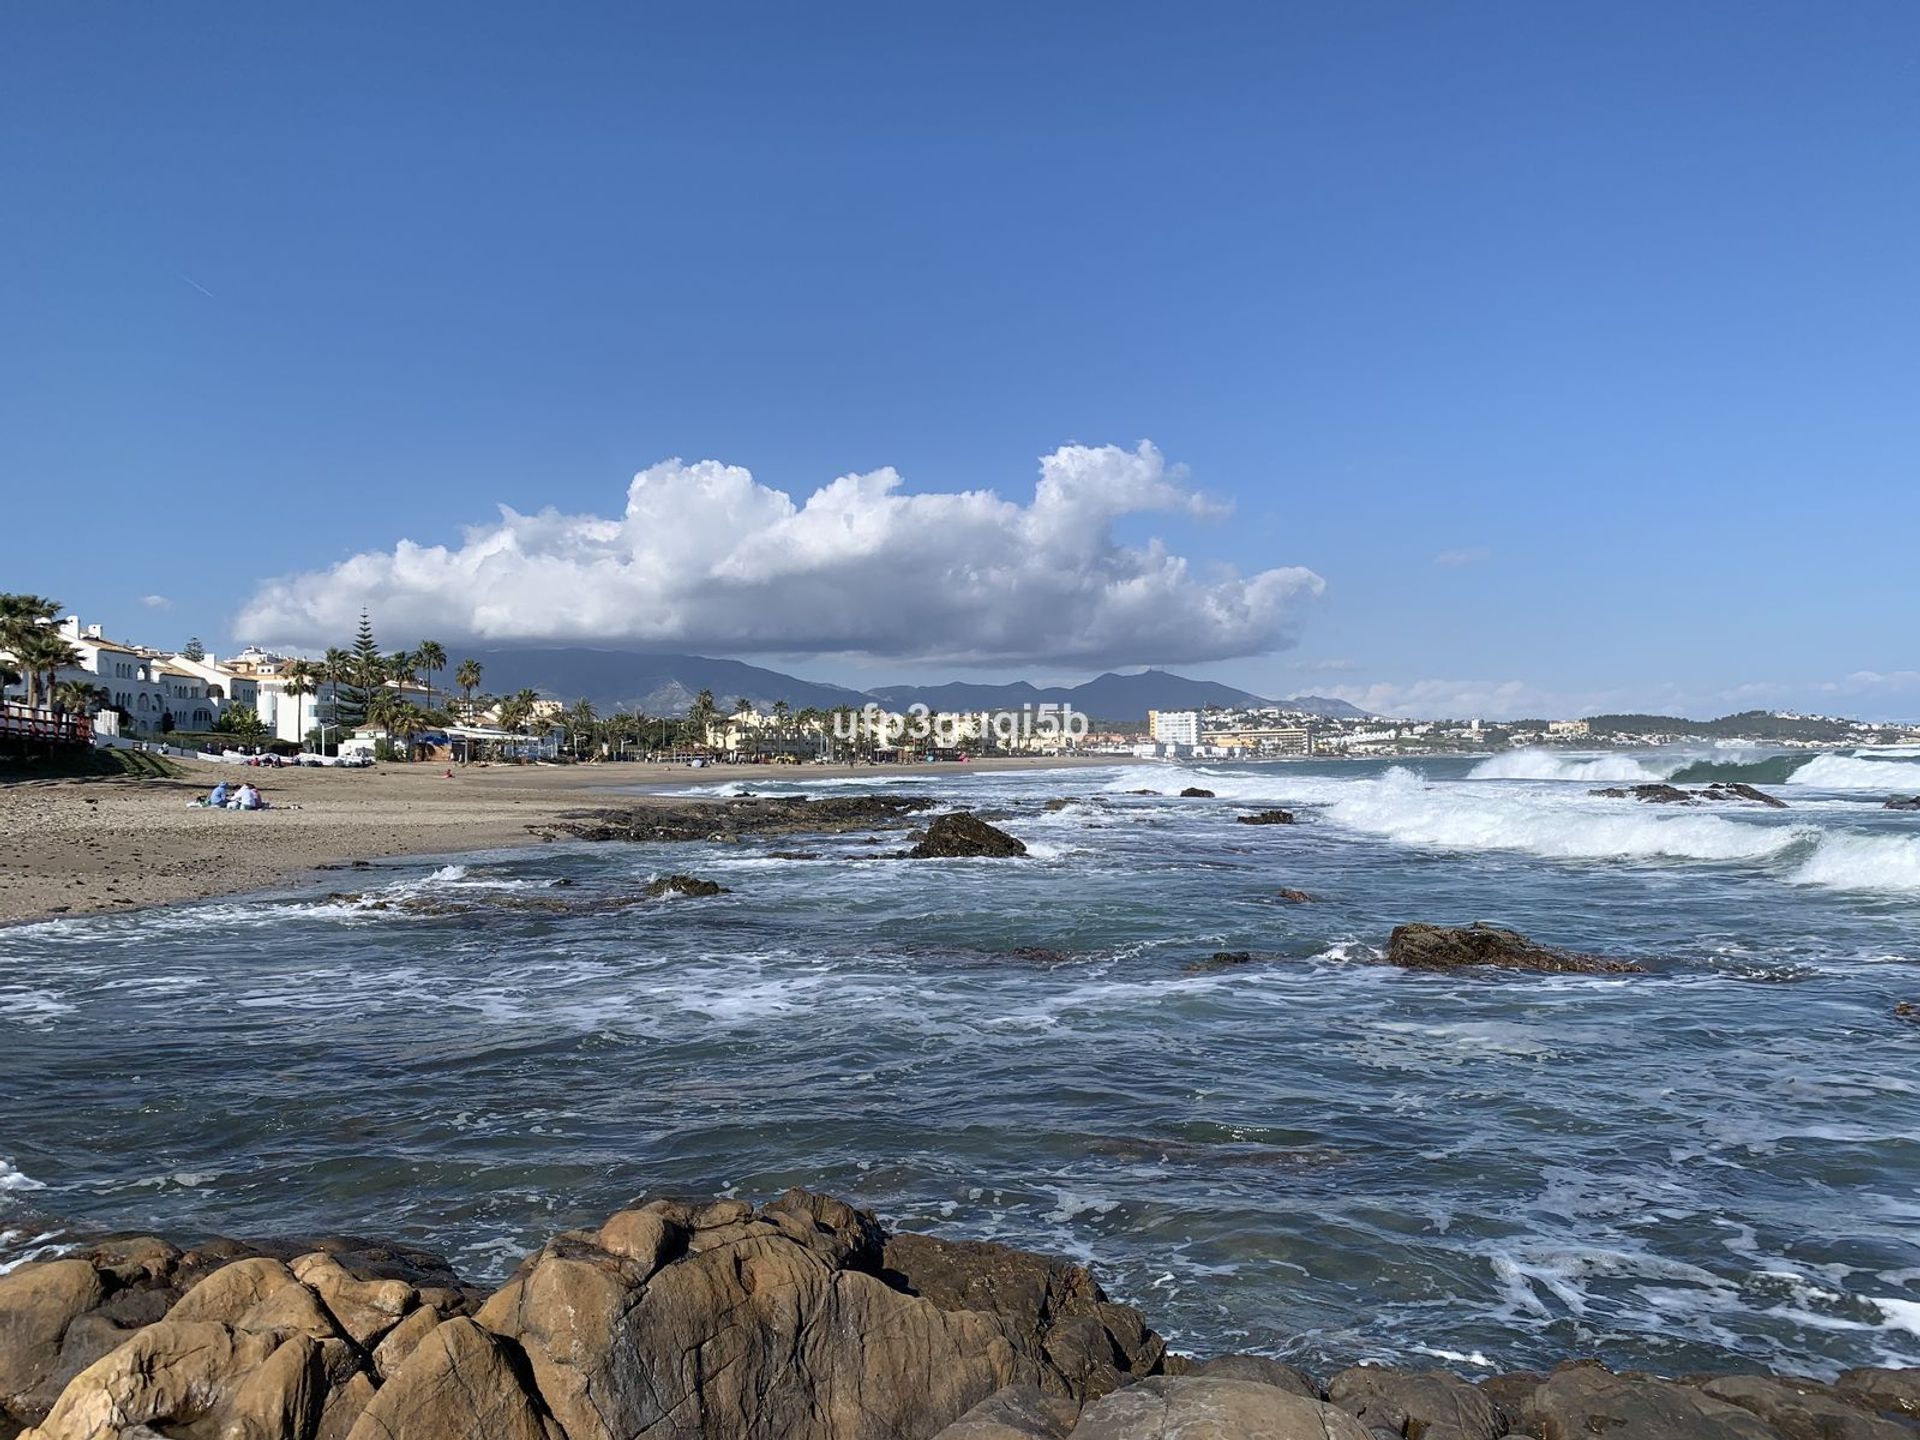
[1894, 1391]
[1200, 1407]
[1456, 947]
[1194, 792]
[38, 1306]
[460, 1383]
[1267, 817]
[178, 1373]
[795, 1321]
[1578, 1402]
[1804, 1409]
[961, 835]
[1260, 1370]
[1428, 1404]
[1019, 1412]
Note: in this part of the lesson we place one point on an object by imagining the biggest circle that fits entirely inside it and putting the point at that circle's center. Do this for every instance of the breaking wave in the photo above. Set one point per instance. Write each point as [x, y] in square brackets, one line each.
[1401, 806]
[1863, 862]
[1546, 765]
[1858, 772]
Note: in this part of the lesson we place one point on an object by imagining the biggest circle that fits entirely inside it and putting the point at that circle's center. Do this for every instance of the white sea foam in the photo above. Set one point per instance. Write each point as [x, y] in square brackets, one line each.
[1901, 1314]
[12, 1179]
[1403, 807]
[1855, 772]
[1547, 765]
[1863, 862]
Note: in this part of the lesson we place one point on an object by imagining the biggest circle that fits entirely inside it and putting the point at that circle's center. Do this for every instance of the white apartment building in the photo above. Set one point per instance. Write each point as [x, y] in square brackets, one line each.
[1174, 727]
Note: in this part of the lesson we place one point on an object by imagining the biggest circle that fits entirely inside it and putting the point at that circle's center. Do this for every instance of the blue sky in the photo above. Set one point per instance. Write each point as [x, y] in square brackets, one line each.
[1576, 351]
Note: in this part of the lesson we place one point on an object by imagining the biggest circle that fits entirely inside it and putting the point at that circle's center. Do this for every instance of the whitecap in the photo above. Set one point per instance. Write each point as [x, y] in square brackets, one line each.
[1863, 862]
[1856, 772]
[1549, 765]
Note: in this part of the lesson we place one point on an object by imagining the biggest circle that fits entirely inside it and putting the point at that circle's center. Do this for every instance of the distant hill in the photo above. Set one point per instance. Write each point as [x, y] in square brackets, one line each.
[667, 684]
[650, 684]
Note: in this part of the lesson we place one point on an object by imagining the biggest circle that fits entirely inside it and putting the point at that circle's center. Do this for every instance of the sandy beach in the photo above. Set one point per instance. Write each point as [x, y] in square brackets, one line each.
[81, 847]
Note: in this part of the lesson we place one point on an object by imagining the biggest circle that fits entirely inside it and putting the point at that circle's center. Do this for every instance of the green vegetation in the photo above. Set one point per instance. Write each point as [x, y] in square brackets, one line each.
[92, 764]
[1747, 725]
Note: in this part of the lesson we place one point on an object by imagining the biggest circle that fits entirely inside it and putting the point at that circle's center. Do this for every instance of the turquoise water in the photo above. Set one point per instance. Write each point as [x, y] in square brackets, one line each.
[1311, 1155]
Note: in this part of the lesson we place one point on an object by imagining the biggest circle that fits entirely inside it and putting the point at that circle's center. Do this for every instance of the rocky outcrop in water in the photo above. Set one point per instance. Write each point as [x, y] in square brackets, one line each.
[803, 1319]
[689, 885]
[1463, 947]
[1295, 897]
[728, 821]
[1267, 817]
[1904, 802]
[1720, 791]
[1194, 792]
[963, 835]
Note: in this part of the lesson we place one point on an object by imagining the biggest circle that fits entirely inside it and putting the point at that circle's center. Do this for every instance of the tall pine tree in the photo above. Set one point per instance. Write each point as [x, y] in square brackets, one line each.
[366, 673]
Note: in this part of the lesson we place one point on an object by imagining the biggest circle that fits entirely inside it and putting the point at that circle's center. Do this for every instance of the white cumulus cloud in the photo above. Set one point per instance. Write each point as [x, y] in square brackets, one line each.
[704, 557]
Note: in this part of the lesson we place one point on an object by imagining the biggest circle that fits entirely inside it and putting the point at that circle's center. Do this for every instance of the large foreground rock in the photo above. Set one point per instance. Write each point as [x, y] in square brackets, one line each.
[800, 1320]
[963, 834]
[1205, 1407]
[1458, 947]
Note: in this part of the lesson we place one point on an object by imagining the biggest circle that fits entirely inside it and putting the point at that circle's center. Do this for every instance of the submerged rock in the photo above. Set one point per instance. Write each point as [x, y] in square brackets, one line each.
[1267, 817]
[962, 834]
[1664, 794]
[1908, 802]
[1194, 792]
[1457, 947]
[1219, 960]
[689, 885]
[1295, 897]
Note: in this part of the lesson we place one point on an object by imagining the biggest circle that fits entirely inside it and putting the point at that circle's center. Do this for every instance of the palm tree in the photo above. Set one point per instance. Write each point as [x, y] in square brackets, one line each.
[24, 625]
[580, 721]
[80, 698]
[703, 714]
[399, 669]
[302, 678]
[467, 677]
[431, 658]
[383, 710]
[43, 653]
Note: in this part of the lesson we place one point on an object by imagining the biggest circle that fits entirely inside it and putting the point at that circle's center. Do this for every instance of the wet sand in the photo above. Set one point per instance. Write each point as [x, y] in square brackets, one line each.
[83, 847]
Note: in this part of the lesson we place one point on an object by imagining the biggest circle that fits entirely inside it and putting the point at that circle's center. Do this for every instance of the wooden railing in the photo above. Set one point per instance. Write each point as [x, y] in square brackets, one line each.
[32, 723]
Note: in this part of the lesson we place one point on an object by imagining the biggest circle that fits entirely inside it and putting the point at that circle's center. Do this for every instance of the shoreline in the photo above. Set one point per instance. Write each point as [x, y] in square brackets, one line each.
[98, 846]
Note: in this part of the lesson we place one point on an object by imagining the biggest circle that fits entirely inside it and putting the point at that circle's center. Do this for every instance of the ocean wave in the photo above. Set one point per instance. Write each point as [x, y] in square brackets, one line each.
[1858, 772]
[1400, 806]
[1546, 765]
[1863, 862]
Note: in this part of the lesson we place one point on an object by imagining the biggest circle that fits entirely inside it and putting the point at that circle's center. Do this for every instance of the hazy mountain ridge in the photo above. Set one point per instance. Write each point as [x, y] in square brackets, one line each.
[667, 684]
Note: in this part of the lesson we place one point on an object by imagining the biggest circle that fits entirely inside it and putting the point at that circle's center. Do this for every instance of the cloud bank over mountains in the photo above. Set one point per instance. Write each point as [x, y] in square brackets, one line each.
[705, 558]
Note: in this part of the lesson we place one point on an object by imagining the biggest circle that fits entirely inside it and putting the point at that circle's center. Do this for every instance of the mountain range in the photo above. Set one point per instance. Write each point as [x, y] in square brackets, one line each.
[656, 684]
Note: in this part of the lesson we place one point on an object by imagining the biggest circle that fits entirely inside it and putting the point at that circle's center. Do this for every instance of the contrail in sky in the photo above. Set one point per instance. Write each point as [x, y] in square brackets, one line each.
[196, 285]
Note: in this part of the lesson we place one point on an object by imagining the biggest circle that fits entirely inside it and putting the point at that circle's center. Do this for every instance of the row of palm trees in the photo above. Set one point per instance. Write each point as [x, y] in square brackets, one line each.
[39, 652]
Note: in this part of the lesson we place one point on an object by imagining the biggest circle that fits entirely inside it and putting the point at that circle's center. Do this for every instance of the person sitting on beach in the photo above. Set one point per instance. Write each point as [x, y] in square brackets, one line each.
[250, 797]
[218, 799]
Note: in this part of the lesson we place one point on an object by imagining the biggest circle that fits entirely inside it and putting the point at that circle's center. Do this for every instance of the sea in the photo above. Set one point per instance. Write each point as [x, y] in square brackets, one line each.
[1309, 1154]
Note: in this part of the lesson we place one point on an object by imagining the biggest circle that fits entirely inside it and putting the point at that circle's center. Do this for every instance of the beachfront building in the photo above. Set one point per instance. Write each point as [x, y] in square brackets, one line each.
[149, 692]
[1241, 741]
[1179, 729]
